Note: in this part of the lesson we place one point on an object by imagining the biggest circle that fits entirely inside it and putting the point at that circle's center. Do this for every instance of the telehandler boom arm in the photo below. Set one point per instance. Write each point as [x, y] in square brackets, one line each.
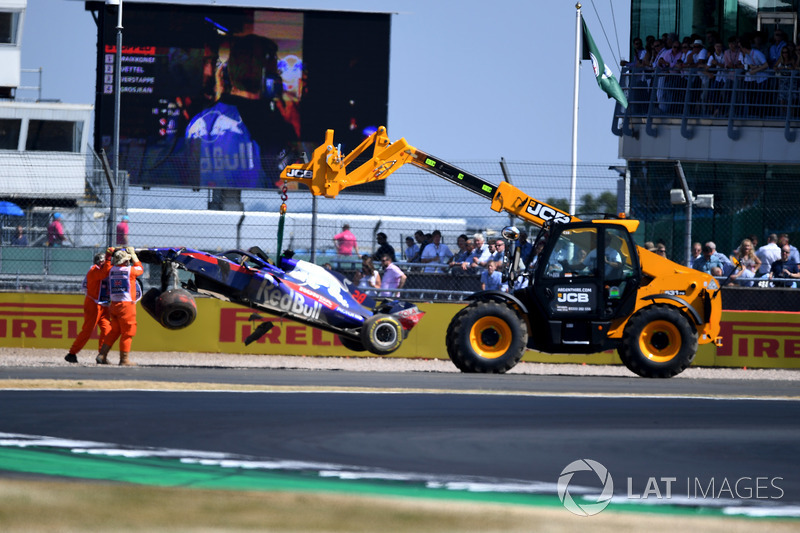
[327, 175]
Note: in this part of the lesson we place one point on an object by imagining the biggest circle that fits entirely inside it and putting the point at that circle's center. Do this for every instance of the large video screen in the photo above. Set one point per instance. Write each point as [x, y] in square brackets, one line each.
[221, 97]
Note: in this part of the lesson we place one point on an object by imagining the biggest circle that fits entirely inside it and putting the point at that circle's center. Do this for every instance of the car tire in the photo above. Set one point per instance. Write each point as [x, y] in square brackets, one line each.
[658, 342]
[382, 334]
[175, 309]
[486, 337]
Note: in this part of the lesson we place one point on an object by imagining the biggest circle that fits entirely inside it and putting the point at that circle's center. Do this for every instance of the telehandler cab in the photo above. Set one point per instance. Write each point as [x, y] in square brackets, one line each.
[592, 288]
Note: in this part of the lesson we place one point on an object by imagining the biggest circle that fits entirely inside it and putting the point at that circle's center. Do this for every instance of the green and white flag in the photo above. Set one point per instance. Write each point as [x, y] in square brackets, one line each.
[605, 78]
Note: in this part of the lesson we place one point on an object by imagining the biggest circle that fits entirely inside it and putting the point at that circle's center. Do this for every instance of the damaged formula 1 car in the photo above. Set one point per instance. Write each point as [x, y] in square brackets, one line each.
[300, 291]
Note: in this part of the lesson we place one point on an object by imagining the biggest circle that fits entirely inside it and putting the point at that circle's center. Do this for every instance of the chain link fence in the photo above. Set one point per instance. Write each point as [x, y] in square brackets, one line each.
[217, 220]
[750, 201]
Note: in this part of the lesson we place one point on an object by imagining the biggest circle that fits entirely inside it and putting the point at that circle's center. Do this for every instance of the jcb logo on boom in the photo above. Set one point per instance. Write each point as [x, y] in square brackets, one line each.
[299, 173]
[573, 297]
[546, 213]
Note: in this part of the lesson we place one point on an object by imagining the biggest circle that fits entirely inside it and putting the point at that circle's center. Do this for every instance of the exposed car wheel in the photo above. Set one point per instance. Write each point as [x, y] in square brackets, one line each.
[486, 337]
[382, 334]
[658, 342]
[351, 344]
[175, 309]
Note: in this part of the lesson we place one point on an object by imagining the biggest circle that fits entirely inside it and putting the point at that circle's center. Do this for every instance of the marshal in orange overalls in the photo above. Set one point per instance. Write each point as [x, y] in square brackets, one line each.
[122, 311]
[95, 306]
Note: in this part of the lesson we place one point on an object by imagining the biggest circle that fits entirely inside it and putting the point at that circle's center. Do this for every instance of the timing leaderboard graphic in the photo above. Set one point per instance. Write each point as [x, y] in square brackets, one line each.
[222, 97]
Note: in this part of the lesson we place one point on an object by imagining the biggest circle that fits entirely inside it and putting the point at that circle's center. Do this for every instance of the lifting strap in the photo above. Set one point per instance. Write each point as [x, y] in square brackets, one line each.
[281, 220]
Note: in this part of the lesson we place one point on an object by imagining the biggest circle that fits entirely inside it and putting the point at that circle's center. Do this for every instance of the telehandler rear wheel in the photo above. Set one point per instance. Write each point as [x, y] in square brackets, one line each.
[486, 337]
[658, 342]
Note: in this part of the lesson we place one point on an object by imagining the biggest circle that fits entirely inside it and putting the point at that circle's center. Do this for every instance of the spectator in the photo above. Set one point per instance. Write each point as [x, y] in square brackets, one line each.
[56, 236]
[95, 305]
[658, 51]
[697, 251]
[461, 255]
[345, 242]
[668, 65]
[745, 257]
[661, 249]
[731, 55]
[19, 239]
[784, 268]
[698, 56]
[393, 277]
[768, 253]
[411, 248]
[492, 249]
[783, 240]
[637, 54]
[774, 51]
[755, 64]
[122, 231]
[383, 248]
[370, 276]
[122, 311]
[710, 258]
[422, 242]
[436, 252]
[479, 255]
[784, 66]
[717, 79]
[491, 278]
[499, 254]
[463, 267]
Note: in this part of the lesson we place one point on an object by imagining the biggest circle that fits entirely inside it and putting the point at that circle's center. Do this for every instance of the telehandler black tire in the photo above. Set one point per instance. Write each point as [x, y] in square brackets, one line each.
[486, 337]
[382, 334]
[658, 342]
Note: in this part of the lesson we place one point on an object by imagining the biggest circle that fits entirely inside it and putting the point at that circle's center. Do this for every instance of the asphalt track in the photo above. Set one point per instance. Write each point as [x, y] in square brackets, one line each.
[704, 442]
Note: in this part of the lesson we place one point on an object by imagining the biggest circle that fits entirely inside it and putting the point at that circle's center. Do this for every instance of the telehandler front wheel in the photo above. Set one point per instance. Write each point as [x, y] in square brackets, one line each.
[658, 342]
[486, 337]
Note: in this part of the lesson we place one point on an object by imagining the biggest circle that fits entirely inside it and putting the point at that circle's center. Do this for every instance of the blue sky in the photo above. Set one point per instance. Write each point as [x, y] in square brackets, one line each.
[498, 80]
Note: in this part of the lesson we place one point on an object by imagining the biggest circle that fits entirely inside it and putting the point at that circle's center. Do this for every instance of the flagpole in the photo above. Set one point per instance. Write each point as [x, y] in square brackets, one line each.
[575, 110]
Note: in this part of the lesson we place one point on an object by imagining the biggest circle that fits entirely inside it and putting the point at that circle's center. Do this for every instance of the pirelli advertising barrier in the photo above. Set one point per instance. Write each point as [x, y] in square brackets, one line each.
[751, 339]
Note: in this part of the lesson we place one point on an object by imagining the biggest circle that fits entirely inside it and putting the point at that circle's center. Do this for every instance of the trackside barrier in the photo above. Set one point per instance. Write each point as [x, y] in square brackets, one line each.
[38, 320]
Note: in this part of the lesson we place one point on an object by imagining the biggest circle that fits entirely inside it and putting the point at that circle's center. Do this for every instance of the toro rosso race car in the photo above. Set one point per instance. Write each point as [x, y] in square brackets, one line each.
[298, 290]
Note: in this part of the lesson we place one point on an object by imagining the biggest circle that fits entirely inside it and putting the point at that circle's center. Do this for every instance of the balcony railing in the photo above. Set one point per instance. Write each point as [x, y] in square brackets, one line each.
[725, 97]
